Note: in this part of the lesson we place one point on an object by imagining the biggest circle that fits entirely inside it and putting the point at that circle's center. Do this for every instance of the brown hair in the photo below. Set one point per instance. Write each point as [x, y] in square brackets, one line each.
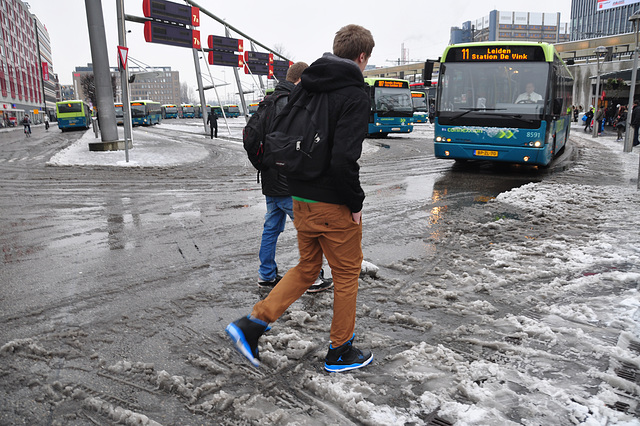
[351, 41]
[295, 71]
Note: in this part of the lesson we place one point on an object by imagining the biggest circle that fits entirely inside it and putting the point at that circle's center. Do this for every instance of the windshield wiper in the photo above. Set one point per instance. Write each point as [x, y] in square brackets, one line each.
[516, 116]
[468, 110]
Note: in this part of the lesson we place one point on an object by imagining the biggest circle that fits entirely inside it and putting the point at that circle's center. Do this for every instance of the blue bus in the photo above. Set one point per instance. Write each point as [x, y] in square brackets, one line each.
[502, 101]
[391, 107]
[420, 107]
[169, 111]
[188, 111]
[231, 111]
[119, 113]
[75, 114]
[145, 113]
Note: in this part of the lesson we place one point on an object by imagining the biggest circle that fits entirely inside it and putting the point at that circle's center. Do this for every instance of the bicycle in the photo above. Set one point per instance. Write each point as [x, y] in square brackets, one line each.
[27, 131]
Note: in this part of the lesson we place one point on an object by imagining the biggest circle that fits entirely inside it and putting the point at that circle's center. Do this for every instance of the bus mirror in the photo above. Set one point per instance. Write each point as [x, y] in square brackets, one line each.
[557, 106]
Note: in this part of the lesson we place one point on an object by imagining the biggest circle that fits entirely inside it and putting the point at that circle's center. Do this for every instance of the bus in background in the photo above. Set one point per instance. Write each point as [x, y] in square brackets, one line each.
[119, 113]
[391, 108]
[188, 111]
[73, 114]
[145, 113]
[217, 109]
[231, 111]
[420, 107]
[169, 111]
[253, 107]
[502, 101]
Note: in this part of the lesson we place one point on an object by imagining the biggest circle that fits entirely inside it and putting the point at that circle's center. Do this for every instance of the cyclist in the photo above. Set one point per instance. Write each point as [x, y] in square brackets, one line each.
[46, 122]
[26, 122]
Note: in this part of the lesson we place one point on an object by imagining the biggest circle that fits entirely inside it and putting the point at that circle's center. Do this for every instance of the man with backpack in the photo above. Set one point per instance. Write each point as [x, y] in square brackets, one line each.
[274, 183]
[327, 207]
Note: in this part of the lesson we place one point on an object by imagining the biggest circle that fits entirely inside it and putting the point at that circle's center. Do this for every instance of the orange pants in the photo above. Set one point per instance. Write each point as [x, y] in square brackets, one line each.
[325, 229]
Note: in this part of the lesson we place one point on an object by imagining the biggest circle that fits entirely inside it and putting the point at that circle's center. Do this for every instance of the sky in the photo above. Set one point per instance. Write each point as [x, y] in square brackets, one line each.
[302, 32]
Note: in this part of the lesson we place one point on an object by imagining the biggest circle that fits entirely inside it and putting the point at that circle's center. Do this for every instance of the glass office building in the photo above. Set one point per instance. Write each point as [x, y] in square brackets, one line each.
[589, 19]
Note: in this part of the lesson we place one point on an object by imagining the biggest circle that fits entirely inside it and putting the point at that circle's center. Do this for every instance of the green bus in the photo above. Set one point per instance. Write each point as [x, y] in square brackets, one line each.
[73, 114]
[391, 107]
[502, 101]
[145, 113]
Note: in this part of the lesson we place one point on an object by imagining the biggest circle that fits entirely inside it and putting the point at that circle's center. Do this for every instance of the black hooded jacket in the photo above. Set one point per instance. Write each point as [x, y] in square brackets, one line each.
[348, 119]
[274, 184]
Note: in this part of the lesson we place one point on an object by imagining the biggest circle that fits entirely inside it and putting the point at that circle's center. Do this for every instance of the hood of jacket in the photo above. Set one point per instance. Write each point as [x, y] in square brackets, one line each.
[330, 73]
[284, 86]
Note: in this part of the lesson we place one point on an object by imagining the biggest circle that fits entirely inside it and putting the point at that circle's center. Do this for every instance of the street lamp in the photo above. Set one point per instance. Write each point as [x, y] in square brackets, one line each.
[635, 18]
[596, 126]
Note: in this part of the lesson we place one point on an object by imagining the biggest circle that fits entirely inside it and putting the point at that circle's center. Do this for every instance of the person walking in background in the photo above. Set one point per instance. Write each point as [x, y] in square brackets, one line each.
[635, 121]
[46, 121]
[599, 119]
[621, 122]
[327, 209]
[588, 118]
[213, 119]
[278, 198]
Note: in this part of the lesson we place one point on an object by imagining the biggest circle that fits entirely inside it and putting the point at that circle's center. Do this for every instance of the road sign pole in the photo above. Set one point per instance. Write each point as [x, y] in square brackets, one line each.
[124, 81]
[240, 91]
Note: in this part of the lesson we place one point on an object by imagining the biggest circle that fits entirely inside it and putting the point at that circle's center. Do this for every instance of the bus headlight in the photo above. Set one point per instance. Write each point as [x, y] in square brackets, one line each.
[534, 144]
[438, 138]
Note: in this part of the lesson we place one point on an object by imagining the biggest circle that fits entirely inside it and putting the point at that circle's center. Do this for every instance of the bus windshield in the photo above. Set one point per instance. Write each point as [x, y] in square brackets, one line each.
[138, 111]
[493, 89]
[66, 108]
[419, 102]
[393, 99]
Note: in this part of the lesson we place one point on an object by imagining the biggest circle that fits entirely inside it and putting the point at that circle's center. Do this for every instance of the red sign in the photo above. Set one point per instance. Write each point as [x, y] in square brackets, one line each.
[196, 39]
[123, 53]
[45, 71]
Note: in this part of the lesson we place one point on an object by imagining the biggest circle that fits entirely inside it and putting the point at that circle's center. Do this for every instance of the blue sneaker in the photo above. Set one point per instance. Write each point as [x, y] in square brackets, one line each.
[244, 333]
[345, 357]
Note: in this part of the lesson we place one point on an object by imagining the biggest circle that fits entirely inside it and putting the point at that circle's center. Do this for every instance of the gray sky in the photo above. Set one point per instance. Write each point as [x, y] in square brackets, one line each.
[303, 30]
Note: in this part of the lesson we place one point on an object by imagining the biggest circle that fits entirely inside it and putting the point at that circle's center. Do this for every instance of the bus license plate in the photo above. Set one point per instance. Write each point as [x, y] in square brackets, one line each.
[482, 153]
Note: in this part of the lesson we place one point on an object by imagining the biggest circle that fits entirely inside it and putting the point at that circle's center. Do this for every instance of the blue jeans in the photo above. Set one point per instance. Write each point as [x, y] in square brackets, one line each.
[278, 208]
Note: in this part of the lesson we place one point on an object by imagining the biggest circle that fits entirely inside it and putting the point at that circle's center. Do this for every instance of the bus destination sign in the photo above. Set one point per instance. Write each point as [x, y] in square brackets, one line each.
[495, 54]
[391, 83]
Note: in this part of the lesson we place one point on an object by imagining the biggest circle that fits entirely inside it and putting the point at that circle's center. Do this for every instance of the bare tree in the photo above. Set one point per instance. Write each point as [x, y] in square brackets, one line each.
[187, 94]
[87, 82]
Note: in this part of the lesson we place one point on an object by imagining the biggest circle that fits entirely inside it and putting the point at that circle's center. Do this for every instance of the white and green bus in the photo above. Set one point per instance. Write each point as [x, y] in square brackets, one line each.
[73, 114]
[502, 101]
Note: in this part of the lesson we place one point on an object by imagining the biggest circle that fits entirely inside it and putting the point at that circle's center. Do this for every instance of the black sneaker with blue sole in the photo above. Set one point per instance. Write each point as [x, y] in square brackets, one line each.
[244, 334]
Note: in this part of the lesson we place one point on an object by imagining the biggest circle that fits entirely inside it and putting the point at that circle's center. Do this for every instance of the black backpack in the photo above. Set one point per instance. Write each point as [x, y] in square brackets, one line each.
[298, 145]
[258, 126]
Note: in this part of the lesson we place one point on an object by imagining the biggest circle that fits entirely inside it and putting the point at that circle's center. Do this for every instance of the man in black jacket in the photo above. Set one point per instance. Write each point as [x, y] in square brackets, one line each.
[328, 209]
[212, 119]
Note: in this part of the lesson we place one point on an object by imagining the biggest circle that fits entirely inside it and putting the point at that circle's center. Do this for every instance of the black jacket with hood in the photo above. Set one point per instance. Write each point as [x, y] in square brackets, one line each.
[348, 120]
[274, 184]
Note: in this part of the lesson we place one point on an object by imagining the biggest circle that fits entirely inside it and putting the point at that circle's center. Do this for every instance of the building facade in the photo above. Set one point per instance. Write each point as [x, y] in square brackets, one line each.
[164, 89]
[512, 26]
[47, 77]
[21, 62]
[590, 20]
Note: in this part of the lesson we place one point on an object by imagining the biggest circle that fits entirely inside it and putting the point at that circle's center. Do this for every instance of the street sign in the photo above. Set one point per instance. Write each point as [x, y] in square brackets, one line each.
[171, 12]
[156, 32]
[256, 68]
[259, 57]
[225, 44]
[123, 53]
[228, 59]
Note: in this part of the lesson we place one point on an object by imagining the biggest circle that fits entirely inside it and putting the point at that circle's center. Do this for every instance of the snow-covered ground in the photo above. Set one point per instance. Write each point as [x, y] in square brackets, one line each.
[566, 248]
